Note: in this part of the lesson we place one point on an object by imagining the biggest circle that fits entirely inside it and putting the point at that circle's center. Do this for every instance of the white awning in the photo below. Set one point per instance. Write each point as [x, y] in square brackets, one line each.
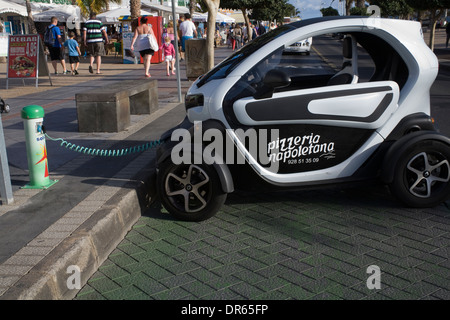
[11, 7]
[160, 7]
[112, 16]
[203, 17]
[62, 12]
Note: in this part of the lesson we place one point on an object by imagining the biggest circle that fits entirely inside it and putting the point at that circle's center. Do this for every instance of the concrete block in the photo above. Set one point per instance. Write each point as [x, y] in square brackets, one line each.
[196, 61]
[109, 109]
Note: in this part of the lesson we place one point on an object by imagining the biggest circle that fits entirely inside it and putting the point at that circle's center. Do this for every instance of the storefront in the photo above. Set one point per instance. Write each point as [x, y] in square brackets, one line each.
[13, 18]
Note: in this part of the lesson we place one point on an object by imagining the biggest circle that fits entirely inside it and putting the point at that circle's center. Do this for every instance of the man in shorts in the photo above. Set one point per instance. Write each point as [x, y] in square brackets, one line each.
[93, 34]
[56, 51]
[188, 30]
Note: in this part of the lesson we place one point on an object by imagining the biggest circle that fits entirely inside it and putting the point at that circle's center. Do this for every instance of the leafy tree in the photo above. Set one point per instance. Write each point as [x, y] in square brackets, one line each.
[436, 8]
[270, 10]
[393, 8]
[245, 6]
[330, 11]
[95, 6]
[358, 11]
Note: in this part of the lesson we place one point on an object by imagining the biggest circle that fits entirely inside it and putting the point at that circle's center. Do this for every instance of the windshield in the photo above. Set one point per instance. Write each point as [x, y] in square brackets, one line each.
[225, 67]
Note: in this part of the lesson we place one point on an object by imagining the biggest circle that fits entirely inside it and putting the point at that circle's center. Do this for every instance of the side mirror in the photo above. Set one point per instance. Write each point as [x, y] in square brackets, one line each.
[273, 79]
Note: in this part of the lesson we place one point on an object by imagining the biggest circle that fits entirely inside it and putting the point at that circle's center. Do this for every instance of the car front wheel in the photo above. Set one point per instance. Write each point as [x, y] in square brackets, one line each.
[190, 192]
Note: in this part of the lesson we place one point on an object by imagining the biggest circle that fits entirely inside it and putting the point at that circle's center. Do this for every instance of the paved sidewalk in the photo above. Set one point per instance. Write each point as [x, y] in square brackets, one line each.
[43, 231]
[96, 201]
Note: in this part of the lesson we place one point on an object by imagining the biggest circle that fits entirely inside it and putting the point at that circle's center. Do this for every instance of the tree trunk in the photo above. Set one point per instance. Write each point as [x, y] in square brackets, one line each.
[213, 7]
[31, 25]
[192, 5]
[247, 22]
[135, 12]
[135, 9]
[433, 19]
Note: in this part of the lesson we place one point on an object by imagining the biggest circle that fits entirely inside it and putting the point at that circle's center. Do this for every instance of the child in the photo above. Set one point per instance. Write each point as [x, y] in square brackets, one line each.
[169, 53]
[74, 52]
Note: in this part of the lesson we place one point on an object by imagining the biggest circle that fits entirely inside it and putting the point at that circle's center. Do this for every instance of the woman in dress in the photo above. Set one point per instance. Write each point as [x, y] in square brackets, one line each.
[143, 46]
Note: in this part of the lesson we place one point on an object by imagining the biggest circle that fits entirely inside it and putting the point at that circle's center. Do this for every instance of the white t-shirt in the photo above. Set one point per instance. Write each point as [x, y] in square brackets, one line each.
[187, 28]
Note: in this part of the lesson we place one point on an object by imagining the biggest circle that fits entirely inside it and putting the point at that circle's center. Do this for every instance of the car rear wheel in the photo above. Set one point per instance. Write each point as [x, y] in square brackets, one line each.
[422, 174]
[190, 192]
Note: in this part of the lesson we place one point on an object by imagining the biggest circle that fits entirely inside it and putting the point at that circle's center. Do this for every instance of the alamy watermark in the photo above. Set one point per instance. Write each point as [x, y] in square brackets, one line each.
[258, 146]
[74, 280]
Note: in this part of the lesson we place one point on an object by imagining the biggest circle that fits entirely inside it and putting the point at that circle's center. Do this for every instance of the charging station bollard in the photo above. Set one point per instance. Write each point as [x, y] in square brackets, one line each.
[33, 117]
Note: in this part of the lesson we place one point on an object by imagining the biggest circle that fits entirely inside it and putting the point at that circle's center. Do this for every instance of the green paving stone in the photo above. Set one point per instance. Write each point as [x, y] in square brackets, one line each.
[182, 267]
[173, 294]
[296, 292]
[224, 294]
[198, 289]
[246, 290]
[123, 293]
[97, 276]
[104, 285]
[273, 295]
[88, 293]
[112, 271]
[346, 293]
[177, 281]
[325, 296]
[397, 294]
[150, 287]
[272, 284]
[130, 248]
[320, 285]
[122, 260]
[422, 289]
[159, 273]
[170, 250]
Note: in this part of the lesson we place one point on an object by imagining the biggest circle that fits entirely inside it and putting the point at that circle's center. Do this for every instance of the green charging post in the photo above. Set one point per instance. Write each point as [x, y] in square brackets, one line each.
[33, 118]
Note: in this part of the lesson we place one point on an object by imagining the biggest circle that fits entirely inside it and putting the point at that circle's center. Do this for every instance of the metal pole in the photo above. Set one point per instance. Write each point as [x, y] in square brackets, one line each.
[177, 62]
[5, 179]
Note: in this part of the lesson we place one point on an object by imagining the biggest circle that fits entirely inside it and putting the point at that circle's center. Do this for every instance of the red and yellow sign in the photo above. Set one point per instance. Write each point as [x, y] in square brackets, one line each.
[23, 56]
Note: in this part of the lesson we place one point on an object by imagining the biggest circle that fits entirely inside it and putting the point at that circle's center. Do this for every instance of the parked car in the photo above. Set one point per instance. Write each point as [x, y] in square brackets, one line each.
[262, 120]
[303, 46]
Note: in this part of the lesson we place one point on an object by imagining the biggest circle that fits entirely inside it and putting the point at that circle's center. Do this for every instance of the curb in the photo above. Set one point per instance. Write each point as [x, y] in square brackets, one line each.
[89, 246]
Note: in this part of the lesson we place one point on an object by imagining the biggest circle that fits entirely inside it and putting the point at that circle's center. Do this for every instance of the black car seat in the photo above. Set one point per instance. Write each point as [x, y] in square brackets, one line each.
[349, 71]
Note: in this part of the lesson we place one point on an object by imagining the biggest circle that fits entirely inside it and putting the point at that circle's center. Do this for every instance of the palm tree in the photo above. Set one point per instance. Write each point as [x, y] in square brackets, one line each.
[95, 6]
[135, 9]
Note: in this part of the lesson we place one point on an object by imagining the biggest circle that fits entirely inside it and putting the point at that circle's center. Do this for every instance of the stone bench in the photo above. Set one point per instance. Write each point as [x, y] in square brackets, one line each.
[108, 109]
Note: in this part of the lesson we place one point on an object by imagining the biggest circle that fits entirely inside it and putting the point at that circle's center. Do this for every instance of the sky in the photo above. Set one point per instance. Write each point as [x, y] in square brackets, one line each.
[311, 8]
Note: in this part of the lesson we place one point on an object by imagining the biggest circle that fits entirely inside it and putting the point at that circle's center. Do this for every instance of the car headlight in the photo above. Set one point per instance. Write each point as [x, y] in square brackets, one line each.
[193, 100]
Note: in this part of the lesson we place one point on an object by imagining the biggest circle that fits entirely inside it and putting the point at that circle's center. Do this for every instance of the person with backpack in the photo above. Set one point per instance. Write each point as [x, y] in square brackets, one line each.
[53, 41]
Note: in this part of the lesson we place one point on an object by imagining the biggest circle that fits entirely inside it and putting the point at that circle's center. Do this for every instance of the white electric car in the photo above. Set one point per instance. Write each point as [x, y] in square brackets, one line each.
[356, 109]
[302, 46]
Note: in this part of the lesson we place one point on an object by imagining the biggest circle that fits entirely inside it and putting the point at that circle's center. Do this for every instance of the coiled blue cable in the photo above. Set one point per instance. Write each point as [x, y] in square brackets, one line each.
[106, 153]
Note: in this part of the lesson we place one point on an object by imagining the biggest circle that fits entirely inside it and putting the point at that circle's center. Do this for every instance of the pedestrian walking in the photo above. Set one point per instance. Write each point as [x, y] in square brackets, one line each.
[55, 48]
[169, 54]
[143, 45]
[93, 33]
[188, 31]
[237, 37]
[74, 53]
[171, 33]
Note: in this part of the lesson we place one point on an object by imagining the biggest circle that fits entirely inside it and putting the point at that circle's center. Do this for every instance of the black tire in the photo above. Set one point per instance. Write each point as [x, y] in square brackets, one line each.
[422, 174]
[190, 192]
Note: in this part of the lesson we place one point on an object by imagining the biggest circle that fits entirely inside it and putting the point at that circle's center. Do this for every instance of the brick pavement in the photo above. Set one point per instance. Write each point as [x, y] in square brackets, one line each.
[293, 245]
